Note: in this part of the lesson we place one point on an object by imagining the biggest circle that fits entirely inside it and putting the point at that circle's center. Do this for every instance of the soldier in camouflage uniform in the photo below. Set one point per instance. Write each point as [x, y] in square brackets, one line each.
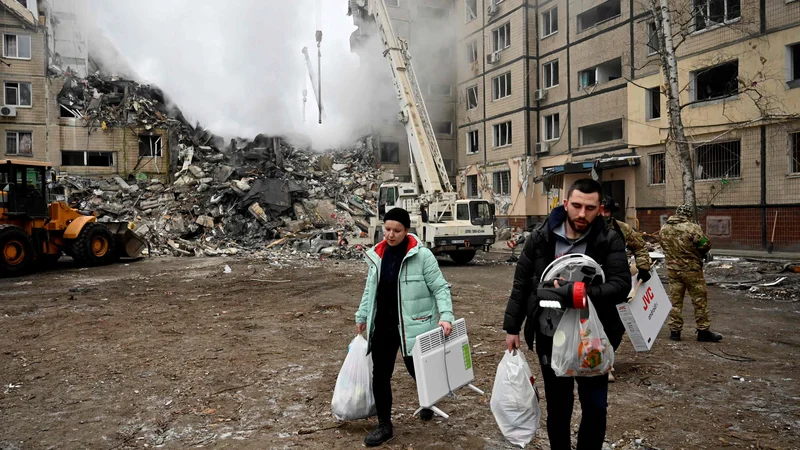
[633, 240]
[684, 246]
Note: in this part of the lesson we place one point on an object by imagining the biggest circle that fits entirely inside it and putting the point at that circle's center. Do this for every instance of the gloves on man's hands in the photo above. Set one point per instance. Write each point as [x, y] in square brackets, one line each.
[643, 275]
[567, 295]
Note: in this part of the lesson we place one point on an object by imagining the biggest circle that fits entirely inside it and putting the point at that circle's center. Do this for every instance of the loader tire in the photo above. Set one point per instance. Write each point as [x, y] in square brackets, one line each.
[16, 251]
[94, 246]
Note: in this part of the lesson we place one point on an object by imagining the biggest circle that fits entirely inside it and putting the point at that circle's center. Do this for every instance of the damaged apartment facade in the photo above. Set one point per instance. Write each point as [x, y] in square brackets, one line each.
[550, 91]
[53, 112]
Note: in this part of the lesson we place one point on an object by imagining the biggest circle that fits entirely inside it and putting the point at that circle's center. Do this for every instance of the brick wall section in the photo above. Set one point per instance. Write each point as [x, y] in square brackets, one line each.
[746, 227]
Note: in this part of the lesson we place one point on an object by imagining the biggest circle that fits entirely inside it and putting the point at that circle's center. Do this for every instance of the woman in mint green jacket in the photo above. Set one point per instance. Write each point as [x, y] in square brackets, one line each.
[406, 295]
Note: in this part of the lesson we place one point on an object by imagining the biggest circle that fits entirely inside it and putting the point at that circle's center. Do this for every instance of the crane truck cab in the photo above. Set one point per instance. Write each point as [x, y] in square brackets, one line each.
[457, 228]
[34, 231]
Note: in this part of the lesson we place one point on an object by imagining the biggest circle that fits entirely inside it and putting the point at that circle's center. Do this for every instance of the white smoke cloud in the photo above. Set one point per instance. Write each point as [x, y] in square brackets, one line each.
[236, 66]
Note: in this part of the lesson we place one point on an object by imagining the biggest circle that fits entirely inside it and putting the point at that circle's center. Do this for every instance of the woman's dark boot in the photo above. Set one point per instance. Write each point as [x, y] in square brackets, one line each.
[382, 433]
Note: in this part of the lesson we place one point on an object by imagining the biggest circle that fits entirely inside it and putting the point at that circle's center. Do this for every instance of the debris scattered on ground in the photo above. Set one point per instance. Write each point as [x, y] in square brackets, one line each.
[223, 198]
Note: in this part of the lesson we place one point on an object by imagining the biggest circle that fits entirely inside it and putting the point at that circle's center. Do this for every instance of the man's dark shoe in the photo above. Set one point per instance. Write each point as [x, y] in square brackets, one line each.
[675, 335]
[382, 433]
[426, 414]
[708, 336]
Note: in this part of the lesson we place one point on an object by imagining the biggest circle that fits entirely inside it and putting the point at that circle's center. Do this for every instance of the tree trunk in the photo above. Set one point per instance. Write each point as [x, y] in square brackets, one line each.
[669, 65]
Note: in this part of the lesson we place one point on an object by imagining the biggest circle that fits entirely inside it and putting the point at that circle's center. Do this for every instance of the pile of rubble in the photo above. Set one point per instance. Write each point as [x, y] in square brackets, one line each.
[223, 198]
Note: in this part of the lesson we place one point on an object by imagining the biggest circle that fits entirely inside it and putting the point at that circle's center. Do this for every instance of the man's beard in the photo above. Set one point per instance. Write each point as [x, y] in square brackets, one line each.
[578, 227]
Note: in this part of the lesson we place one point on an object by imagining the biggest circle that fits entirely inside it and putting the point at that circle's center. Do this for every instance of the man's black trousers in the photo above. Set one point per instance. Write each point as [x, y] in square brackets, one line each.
[558, 391]
[385, 344]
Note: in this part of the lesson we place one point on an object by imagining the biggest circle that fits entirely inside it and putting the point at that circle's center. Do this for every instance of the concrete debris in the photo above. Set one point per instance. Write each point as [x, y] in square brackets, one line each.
[239, 199]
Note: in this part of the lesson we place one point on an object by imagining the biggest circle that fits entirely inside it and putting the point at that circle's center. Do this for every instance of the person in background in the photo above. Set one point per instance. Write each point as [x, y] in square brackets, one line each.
[405, 295]
[634, 243]
[575, 227]
[685, 245]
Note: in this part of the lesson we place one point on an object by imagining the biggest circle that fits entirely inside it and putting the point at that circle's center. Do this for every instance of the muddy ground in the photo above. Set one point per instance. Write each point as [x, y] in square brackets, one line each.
[175, 353]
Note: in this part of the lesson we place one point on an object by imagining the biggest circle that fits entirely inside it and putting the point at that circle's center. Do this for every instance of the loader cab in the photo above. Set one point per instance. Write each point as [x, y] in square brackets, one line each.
[23, 189]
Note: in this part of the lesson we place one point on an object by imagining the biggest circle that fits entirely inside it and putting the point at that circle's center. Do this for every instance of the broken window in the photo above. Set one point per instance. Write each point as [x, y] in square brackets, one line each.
[443, 127]
[550, 22]
[440, 89]
[600, 13]
[501, 182]
[601, 132]
[23, 3]
[653, 103]
[87, 159]
[472, 186]
[716, 82]
[150, 146]
[19, 143]
[658, 168]
[390, 152]
[16, 46]
[793, 65]
[67, 113]
[472, 97]
[472, 52]
[501, 86]
[18, 94]
[551, 127]
[603, 73]
[652, 38]
[471, 12]
[708, 13]
[501, 134]
[501, 37]
[550, 74]
[472, 142]
[718, 160]
[794, 153]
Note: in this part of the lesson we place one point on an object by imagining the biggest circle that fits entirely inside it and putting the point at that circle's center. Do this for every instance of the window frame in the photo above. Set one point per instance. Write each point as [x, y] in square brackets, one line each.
[441, 122]
[466, 12]
[792, 65]
[469, 142]
[710, 24]
[579, 23]
[17, 37]
[506, 40]
[86, 157]
[498, 181]
[472, 50]
[477, 193]
[582, 131]
[662, 169]
[553, 129]
[496, 134]
[649, 92]
[498, 82]
[550, 65]
[16, 134]
[652, 34]
[549, 20]
[18, 83]
[381, 153]
[794, 154]
[156, 146]
[592, 70]
[475, 89]
[696, 161]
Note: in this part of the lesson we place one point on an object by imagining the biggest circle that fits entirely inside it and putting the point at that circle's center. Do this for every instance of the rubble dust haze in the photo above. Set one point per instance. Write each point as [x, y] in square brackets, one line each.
[237, 67]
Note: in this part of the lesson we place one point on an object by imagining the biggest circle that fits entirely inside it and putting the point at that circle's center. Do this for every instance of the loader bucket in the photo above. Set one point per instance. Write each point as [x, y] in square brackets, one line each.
[128, 243]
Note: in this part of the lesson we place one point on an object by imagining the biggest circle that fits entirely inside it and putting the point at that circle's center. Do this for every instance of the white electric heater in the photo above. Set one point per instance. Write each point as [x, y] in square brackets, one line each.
[442, 365]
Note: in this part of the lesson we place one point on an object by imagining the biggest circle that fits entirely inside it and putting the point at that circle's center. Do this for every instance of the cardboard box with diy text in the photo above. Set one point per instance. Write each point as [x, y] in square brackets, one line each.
[645, 312]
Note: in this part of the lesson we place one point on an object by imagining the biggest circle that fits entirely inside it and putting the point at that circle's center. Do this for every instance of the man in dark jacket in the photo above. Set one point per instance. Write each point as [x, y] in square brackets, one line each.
[574, 227]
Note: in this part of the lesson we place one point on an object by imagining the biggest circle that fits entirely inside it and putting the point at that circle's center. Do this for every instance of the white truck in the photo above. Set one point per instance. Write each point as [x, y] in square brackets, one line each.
[448, 224]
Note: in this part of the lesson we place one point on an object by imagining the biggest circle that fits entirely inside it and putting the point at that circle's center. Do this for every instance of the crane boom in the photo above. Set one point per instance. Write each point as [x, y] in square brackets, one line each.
[431, 171]
[314, 81]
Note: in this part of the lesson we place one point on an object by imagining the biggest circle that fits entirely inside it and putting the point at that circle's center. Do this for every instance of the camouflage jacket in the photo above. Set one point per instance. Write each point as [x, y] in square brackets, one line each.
[684, 244]
[634, 243]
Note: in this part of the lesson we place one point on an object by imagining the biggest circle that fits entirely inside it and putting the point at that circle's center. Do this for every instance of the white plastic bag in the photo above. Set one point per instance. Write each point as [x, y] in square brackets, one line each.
[352, 396]
[580, 346]
[514, 403]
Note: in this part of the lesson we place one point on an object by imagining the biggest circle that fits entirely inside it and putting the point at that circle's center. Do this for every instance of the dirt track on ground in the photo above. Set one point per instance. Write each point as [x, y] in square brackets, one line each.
[174, 353]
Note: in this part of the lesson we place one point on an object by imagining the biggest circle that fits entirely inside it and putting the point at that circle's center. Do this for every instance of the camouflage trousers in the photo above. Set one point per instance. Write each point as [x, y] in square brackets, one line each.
[694, 282]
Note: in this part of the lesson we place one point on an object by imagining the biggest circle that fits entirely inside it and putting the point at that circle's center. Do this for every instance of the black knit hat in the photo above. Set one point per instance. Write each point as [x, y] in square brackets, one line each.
[398, 215]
